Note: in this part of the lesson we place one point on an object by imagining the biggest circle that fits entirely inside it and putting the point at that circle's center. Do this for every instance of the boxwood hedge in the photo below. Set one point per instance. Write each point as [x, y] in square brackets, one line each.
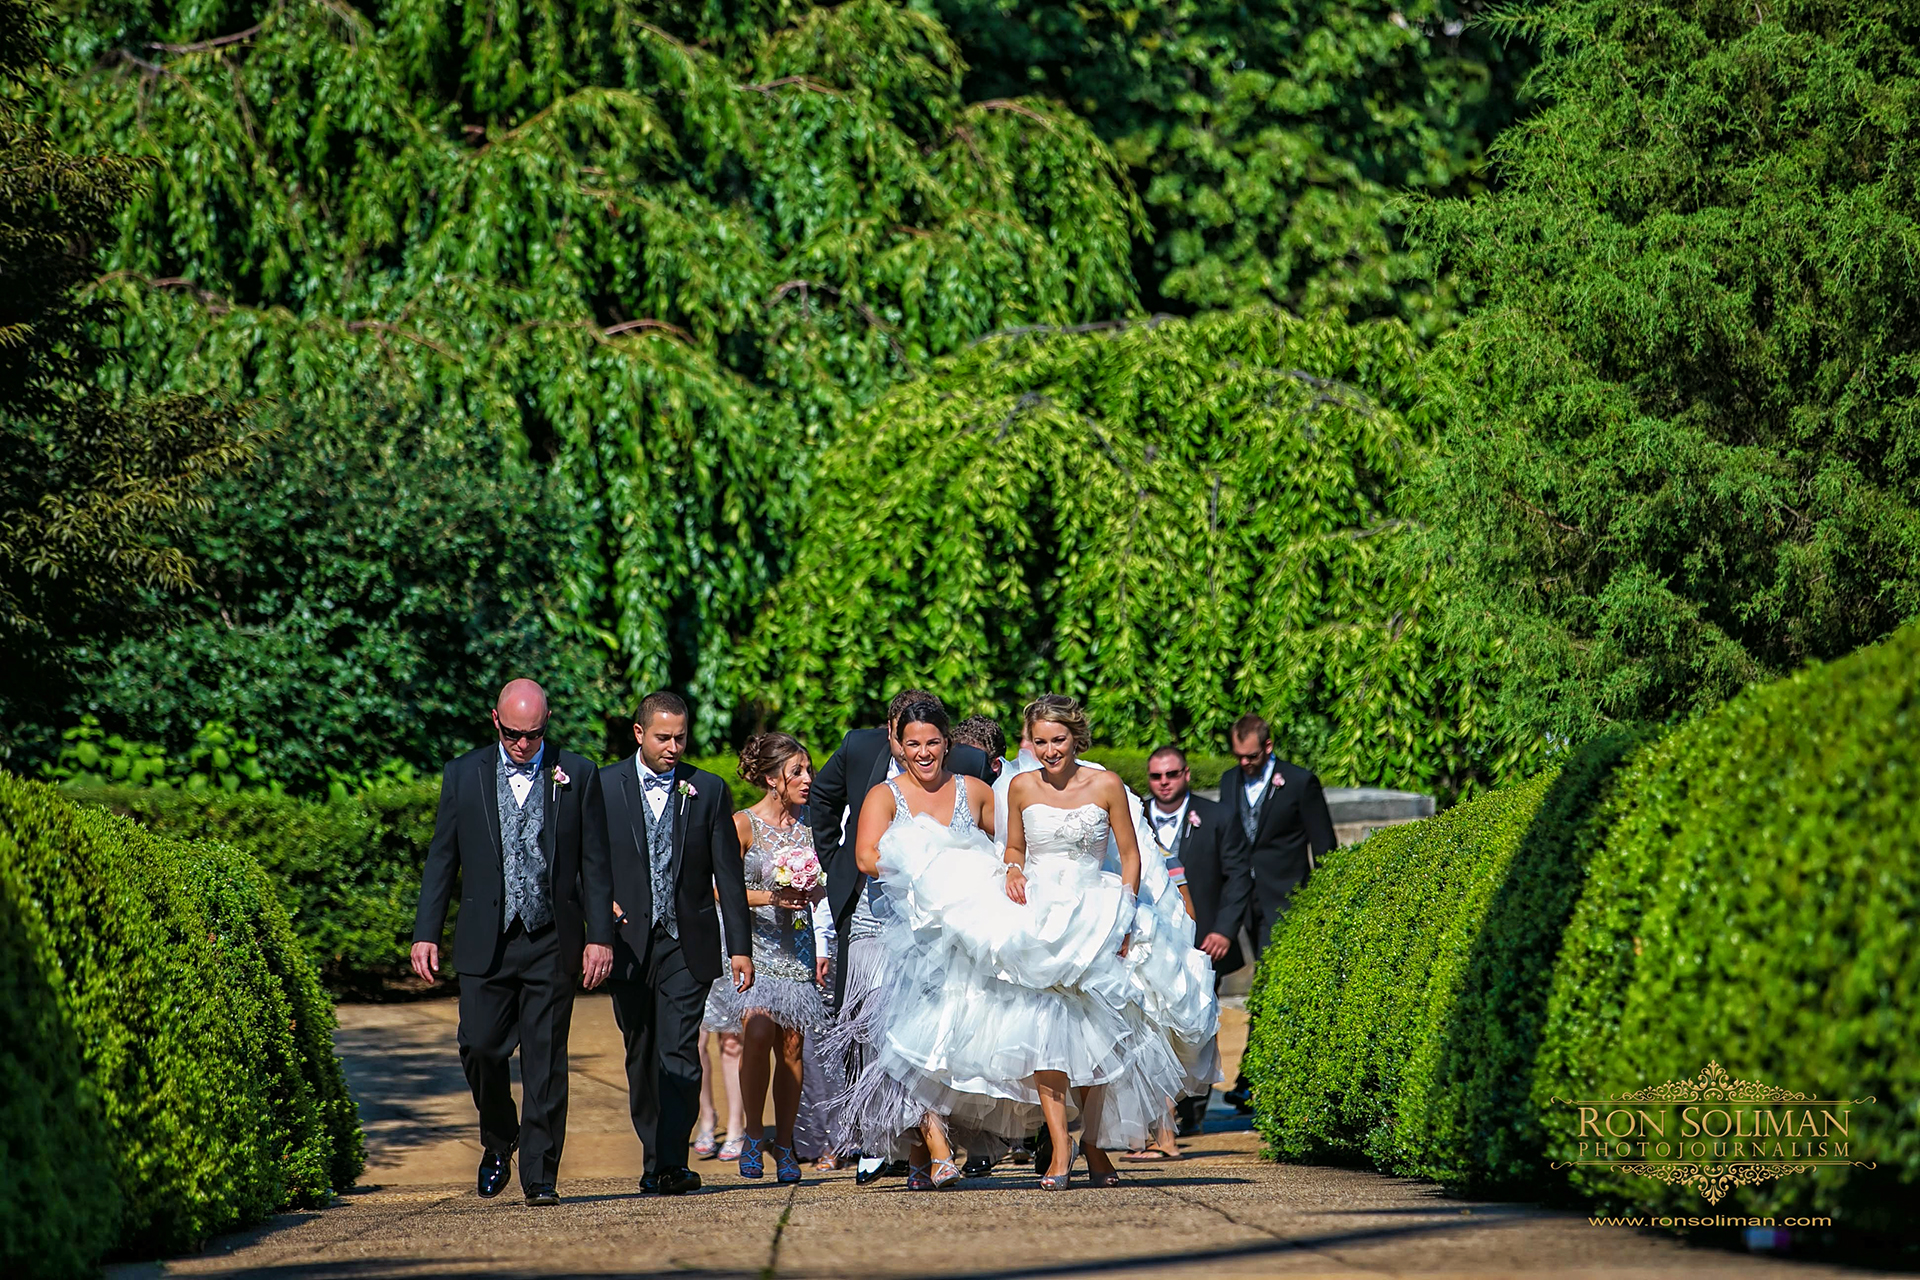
[177, 1033]
[1757, 904]
[347, 872]
[1744, 889]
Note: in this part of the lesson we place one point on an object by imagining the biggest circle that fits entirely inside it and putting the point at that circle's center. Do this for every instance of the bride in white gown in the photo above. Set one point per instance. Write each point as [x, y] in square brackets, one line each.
[1033, 984]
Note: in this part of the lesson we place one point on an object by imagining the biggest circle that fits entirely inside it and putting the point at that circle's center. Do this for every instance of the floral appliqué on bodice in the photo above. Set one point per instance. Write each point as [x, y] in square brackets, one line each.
[1079, 833]
[782, 938]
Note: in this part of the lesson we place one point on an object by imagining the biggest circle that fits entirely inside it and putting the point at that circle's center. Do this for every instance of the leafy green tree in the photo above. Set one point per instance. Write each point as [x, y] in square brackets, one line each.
[1270, 136]
[1682, 428]
[367, 584]
[1175, 521]
[93, 487]
[665, 269]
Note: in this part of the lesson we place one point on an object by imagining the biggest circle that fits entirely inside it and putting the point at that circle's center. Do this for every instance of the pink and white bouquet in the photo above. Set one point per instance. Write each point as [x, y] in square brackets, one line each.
[798, 869]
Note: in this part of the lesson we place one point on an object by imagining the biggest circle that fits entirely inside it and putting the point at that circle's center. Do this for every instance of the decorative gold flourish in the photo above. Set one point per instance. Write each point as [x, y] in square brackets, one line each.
[1713, 1084]
[1714, 1180]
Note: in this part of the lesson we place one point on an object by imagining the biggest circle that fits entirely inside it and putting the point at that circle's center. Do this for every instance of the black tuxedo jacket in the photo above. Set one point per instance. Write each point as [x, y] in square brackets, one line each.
[1292, 830]
[466, 838]
[706, 859]
[1219, 875]
[856, 768]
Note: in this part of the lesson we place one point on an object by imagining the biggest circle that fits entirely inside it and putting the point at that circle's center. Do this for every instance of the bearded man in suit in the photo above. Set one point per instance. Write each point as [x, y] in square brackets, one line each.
[522, 824]
[676, 854]
[1281, 809]
[1207, 856]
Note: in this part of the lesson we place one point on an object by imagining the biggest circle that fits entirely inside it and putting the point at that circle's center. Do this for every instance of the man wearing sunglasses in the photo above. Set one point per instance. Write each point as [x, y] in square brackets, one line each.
[524, 826]
[1200, 838]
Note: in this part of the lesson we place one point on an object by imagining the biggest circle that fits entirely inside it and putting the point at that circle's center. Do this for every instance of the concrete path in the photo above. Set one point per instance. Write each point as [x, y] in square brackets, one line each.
[1221, 1212]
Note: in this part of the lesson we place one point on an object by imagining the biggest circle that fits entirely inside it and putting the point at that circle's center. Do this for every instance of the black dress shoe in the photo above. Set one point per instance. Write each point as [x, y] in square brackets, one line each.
[976, 1167]
[495, 1168]
[676, 1182]
[542, 1196]
[649, 1183]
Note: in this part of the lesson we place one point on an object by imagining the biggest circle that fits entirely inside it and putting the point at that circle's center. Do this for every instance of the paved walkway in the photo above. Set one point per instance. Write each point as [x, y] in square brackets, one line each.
[1221, 1212]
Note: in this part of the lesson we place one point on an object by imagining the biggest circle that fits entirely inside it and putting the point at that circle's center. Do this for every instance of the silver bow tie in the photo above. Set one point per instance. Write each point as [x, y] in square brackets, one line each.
[656, 781]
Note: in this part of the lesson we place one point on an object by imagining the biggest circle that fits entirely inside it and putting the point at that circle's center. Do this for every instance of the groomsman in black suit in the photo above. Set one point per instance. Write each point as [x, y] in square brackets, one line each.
[1202, 839]
[675, 850]
[865, 759]
[522, 823]
[1282, 812]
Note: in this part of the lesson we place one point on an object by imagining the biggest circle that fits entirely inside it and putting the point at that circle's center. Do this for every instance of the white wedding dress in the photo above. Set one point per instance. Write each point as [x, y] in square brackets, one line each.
[985, 992]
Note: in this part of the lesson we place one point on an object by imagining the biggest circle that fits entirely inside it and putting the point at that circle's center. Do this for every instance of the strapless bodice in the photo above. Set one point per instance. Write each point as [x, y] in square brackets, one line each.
[1078, 834]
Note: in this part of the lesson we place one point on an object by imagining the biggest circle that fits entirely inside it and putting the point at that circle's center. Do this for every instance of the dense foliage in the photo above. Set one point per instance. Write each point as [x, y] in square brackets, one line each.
[1175, 521]
[592, 241]
[346, 872]
[208, 1091]
[1740, 891]
[1757, 903]
[1270, 138]
[93, 487]
[366, 586]
[1683, 423]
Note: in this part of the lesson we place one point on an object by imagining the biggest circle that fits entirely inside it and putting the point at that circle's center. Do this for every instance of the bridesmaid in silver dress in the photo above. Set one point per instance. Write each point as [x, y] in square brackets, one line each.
[784, 1004]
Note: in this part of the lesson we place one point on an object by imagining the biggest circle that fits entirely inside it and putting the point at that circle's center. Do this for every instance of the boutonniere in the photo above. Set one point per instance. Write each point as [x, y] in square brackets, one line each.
[1193, 819]
[1278, 781]
[686, 788]
[560, 778]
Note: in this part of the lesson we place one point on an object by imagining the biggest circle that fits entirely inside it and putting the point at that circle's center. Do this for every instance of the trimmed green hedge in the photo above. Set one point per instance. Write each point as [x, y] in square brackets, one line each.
[1757, 904]
[1745, 889]
[346, 871]
[178, 1035]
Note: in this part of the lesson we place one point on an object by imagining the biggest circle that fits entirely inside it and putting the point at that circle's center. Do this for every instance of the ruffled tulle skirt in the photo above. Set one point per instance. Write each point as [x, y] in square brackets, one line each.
[981, 993]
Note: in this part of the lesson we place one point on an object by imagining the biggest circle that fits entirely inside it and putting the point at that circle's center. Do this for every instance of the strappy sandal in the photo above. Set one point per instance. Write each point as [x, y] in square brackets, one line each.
[703, 1143]
[750, 1165]
[786, 1165]
[945, 1174]
[919, 1177]
[730, 1149]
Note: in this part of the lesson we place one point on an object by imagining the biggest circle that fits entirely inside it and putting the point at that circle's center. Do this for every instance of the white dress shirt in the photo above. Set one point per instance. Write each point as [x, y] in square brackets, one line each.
[1258, 787]
[656, 799]
[522, 783]
[1166, 826]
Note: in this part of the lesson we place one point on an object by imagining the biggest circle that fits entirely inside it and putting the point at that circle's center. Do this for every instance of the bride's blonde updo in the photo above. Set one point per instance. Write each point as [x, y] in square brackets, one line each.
[1058, 708]
[767, 754]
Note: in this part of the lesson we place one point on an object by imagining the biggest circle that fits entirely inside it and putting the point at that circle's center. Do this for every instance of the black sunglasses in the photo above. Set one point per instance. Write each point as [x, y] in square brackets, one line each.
[1168, 776]
[519, 735]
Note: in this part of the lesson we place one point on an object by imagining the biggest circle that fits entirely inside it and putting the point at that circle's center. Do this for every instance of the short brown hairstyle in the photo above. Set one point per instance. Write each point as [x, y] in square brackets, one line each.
[767, 754]
[983, 732]
[1058, 708]
[1251, 725]
[1168, 750]
[660, 702]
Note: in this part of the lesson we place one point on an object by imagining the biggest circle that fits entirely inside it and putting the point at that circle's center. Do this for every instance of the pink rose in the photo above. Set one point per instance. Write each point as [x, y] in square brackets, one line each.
[560, 778]
[1193, 819]
[1278, 781]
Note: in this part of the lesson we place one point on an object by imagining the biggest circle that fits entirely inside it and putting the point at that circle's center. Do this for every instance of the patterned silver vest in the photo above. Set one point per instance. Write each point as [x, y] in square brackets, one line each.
[529, 891]
[660, 861]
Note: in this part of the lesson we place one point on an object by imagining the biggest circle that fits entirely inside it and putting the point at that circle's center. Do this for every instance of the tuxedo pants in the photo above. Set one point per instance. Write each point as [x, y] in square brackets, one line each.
[659, 1017]
[525, 1003]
